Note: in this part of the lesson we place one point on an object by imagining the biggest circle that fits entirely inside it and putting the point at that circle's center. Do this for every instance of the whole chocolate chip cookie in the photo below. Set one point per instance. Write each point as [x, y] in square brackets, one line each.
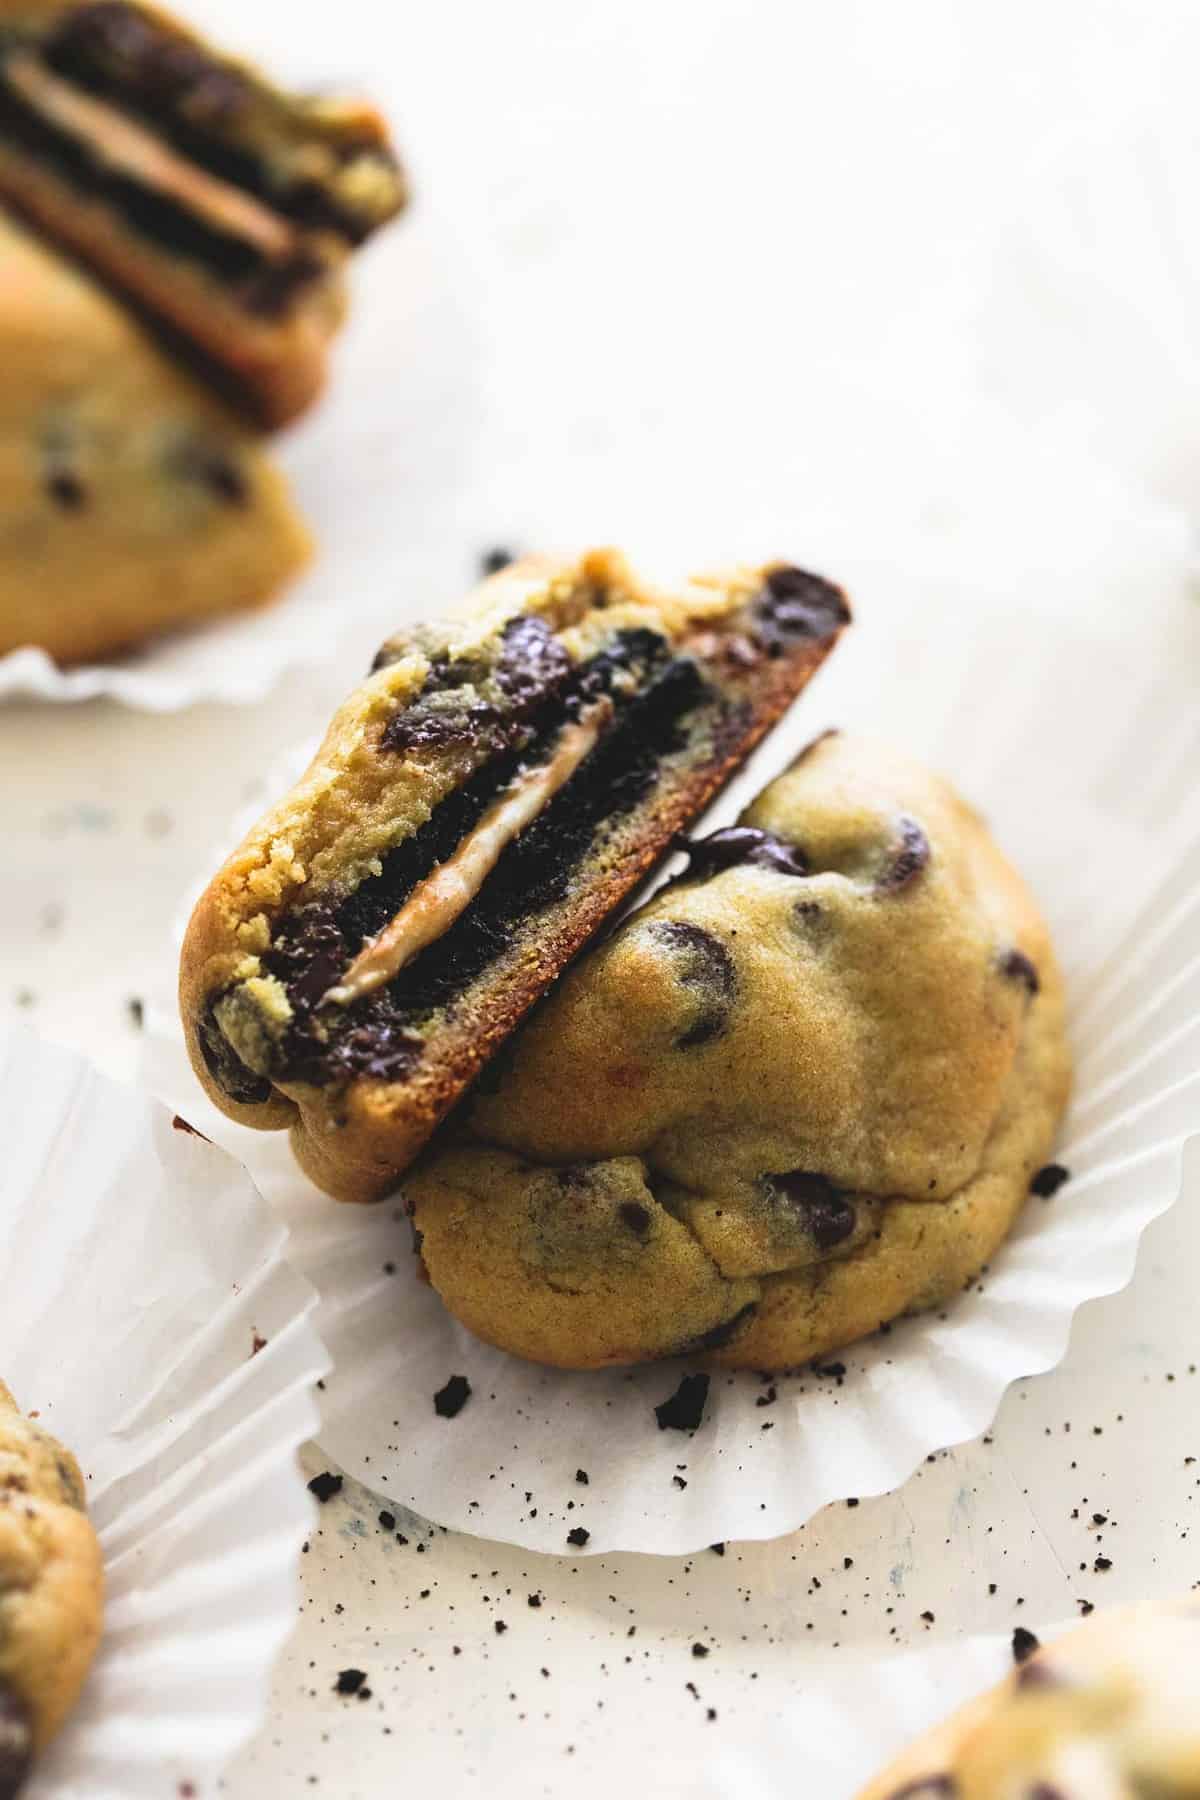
[802, 1091]
[480, 805]
[51, 1590]
[1109, 1712]
[130, 500]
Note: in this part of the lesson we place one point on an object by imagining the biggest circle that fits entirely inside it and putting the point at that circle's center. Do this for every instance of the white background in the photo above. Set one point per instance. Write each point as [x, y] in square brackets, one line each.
[713, 279]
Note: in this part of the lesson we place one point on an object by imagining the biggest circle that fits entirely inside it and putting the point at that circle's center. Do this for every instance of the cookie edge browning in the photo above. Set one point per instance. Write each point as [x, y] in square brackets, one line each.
[333, 1144]
[276, 370]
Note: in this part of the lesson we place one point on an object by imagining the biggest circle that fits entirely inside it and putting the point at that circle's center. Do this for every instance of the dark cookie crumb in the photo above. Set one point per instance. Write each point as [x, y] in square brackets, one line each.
[349, 1681]
[684, 1410]
[1047, 1181]
[387, 1521]
[578, 1536]
[1024, 1643]
[324, 1486]
[495, 559]
[717, 1549]
[449, 1401]
[137, 1012]
[699, 1649]
[581, 1476]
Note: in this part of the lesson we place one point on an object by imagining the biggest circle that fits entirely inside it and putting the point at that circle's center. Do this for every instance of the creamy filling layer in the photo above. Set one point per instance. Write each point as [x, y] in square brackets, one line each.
[440, 900]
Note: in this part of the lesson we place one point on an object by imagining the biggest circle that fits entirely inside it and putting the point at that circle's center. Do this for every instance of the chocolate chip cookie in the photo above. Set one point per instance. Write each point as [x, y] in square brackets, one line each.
[1112, 1710]
[480, 805]
[51, 1591]
[802, 1091]
[130, 500]
[226, 208]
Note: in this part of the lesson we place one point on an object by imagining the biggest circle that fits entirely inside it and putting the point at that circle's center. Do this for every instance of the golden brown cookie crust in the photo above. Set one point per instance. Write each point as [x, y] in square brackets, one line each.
[836, 1085]
[358, 800]
[51, 1577]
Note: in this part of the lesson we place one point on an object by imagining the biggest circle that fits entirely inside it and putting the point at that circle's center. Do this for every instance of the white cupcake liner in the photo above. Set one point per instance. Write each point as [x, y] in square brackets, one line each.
[1080, 749]
[141, 1270]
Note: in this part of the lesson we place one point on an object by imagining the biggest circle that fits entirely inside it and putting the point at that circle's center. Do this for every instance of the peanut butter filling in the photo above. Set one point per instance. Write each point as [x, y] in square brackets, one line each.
[135, 151]
[432, 909]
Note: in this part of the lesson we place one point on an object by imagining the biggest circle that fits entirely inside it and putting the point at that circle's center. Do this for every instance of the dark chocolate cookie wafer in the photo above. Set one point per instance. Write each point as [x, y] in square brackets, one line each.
[480, 805]
[223, 206]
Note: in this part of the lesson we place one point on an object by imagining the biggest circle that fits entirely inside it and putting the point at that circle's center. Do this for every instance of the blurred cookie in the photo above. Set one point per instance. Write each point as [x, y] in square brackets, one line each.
[130, 501]
[802, 1091]
[51, 1591]
[480, 805]
[225, 207]
[1109, 1712]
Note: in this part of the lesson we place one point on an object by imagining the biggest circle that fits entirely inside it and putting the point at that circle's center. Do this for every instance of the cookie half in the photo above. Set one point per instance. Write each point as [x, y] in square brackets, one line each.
[130, 501]
[479, 807]
[1111, 1709]
[802, 1091]
[51, 1591]
[225, 207]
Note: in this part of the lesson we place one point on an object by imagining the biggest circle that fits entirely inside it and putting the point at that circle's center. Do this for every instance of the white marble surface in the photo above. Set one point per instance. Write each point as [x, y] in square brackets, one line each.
[715, 278]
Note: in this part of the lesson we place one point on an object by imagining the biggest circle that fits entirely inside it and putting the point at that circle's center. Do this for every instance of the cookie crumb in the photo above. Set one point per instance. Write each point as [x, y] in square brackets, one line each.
[684, 1410]
[349, 1681]
[324, 1486]
[449, 1401]
[1024, 1643]
[578, 1537]
[1047, 1181]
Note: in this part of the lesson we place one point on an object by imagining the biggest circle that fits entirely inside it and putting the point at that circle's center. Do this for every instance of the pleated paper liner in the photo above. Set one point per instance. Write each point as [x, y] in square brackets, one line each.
[151, 1321]
[1046, 726]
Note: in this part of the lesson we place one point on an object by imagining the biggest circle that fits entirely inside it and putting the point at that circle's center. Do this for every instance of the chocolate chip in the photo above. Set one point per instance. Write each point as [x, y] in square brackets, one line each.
[742, 844]
[927, 1787]
[829, 1216]
[213, 469]
[578, 1537]
[796, 605]
[492, 561]
[349, 1681]
[704, 968]
[16, 1742]
[636, 1217]
[684, 1410]
[325, 1486]
[66, 489]
[449, 1401]
[1047, 1181]
[1017, 967]
[532, 664]
[1023, 1644]
[908, 858]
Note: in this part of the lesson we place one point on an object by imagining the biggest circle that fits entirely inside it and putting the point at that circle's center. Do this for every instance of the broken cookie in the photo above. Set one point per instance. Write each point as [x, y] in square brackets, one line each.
[224, 207]
[481, 804]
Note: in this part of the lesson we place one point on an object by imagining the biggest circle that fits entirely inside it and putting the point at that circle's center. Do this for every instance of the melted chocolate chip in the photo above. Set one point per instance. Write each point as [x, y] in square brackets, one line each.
[684, 1410]
[636, 1217]
[1047, 1181]
[828, 1214]
[794, 604]
[1024, 1643]
[742, 844]
[66, 489]
[449, 1401]
[1017, 967]
[532, 662]
[705, 969]
[927, 1787]
[16, 1742]
[909, 857]
[720, 1334]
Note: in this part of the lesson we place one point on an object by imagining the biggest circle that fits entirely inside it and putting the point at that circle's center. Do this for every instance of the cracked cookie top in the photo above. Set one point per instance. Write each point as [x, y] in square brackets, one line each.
[821, 1066]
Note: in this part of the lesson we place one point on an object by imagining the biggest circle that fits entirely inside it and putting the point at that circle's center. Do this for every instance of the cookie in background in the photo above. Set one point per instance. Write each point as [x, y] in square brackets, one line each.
[51, 1591]
[131, 499]
[223, 207]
